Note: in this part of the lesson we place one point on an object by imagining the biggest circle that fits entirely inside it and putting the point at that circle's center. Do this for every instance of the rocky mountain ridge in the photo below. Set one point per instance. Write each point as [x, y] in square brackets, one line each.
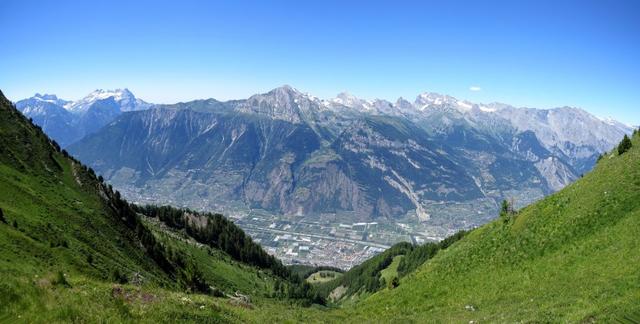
[291, 153]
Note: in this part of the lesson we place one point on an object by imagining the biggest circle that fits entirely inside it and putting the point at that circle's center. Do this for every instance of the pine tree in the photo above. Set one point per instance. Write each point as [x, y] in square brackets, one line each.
[393, 283]
[506, 210]
[624, 145]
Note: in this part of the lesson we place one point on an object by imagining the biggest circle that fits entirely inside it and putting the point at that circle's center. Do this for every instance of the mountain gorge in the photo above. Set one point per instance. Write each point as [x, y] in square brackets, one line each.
[346, 158]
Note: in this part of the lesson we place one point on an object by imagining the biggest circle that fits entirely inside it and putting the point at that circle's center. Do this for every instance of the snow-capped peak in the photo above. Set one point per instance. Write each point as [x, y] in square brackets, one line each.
[427, 99]
[50, 98]
[487, 109]
[125, 99]
[348, 100]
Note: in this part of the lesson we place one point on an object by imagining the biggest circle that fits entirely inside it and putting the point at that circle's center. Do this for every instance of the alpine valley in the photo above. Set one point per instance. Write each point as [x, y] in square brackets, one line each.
[73, 250]
[301, 174]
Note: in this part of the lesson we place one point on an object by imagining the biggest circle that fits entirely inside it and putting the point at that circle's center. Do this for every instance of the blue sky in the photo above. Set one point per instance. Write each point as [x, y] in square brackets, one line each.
[527, 53]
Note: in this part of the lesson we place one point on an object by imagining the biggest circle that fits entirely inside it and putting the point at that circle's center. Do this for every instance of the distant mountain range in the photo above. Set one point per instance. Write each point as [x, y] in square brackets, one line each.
[289, 152]
[69, 121]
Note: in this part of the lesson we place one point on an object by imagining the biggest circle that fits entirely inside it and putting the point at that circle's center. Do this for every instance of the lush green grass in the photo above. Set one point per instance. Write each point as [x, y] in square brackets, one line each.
[323, 276]
[571, 257]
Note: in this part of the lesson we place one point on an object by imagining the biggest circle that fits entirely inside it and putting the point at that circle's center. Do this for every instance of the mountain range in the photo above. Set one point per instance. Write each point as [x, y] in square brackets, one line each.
[72, 250]
[291, 153]
[69, 121]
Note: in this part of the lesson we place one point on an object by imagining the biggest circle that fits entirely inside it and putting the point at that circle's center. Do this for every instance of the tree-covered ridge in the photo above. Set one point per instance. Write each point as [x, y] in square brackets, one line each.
[219, 232]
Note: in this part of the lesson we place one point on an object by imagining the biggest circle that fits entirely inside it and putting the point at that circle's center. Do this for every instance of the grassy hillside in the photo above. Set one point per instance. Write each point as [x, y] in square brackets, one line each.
[72, 250]
[571, 257]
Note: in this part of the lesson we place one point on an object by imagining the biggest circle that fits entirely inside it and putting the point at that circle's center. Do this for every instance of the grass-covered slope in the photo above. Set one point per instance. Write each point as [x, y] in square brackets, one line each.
[571, 257]
[382, 271]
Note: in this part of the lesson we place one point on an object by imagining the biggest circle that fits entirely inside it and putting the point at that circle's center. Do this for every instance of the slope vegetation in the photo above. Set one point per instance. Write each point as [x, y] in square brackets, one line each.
[571, 257]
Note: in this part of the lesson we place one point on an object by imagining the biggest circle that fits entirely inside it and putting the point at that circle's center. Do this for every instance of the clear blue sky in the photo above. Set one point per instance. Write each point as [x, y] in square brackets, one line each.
[527, 53]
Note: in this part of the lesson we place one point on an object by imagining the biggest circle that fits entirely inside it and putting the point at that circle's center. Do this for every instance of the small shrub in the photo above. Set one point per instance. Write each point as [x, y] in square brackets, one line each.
[215, 292]
[60, 280]
[393, 283]
[118, 276]
[507, 211]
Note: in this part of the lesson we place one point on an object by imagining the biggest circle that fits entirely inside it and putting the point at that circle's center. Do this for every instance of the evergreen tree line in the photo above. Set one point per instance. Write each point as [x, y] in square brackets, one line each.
[420, 254]
[218, 232]
[625, 144]
[173, 262]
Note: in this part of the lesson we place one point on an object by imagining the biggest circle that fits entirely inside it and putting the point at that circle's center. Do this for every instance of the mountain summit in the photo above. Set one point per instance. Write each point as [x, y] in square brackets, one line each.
[123, 97]
[68, 121]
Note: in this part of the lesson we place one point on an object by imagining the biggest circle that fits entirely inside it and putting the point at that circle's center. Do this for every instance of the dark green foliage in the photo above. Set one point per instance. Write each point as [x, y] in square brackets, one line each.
[624, 145]
[191, 278]
[2, 219]
[421, 254]
[507, 211]
[215, 292]
[60, 280]
[55, 145]
[117, 276]
[15, 223]
[395, 282]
